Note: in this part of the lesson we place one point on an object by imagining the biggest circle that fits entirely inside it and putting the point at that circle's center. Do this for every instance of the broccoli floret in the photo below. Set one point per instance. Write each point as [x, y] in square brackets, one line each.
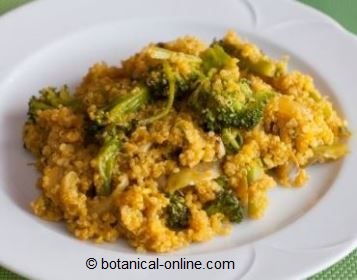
[227, 204]
[223, 102]
[50, 98]
[171, 92]
[252, 113]
[157, 79]
[232, 140]
[106, 159]
[248, 117]
[178, 214]
[118, 112]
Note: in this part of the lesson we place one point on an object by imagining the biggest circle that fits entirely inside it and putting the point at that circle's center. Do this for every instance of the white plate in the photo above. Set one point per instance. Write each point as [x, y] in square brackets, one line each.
[54, 42]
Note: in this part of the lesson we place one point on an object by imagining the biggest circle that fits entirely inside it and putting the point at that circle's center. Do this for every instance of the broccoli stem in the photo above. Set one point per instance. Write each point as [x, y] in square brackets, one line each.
[232, 140]
[128, 104]
[254, 174]
[106, 162]
[215, 57]
[263, 66]
[165, 54]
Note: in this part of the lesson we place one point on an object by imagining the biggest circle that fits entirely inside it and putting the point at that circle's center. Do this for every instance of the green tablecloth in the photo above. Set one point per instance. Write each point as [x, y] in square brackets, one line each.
[344, 11]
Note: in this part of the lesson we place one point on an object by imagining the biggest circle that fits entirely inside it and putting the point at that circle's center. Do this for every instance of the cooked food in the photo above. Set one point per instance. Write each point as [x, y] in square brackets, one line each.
[177, 144]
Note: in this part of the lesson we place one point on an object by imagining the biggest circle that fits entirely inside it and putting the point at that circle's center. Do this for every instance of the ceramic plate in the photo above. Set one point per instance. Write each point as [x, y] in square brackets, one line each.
[54, 42]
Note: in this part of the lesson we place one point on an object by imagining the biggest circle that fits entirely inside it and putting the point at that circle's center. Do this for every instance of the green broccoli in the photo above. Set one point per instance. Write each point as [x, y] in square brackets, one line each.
[247, 118]
[157, 79]
[221, 99]
[222, 181]
[215, 58]
[107, 157]
[178, 214]
[232, 140]
[264, 66]
[227, 204]
[232, 104]
[255, 171]
[118, 112]
[164, 54]
[51, 98]
[171, 92]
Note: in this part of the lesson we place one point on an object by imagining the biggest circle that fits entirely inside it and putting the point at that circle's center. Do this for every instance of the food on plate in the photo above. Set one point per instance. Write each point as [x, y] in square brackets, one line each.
[178, 143]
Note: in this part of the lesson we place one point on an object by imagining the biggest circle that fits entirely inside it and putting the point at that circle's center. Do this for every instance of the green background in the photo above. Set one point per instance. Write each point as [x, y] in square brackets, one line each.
[345, 12]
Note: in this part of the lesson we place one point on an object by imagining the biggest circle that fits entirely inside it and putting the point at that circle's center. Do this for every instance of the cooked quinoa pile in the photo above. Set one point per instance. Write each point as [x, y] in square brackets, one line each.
[178, 143]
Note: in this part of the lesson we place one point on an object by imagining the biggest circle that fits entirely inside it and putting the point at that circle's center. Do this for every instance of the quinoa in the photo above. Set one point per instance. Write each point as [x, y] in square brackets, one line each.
[298, 127]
